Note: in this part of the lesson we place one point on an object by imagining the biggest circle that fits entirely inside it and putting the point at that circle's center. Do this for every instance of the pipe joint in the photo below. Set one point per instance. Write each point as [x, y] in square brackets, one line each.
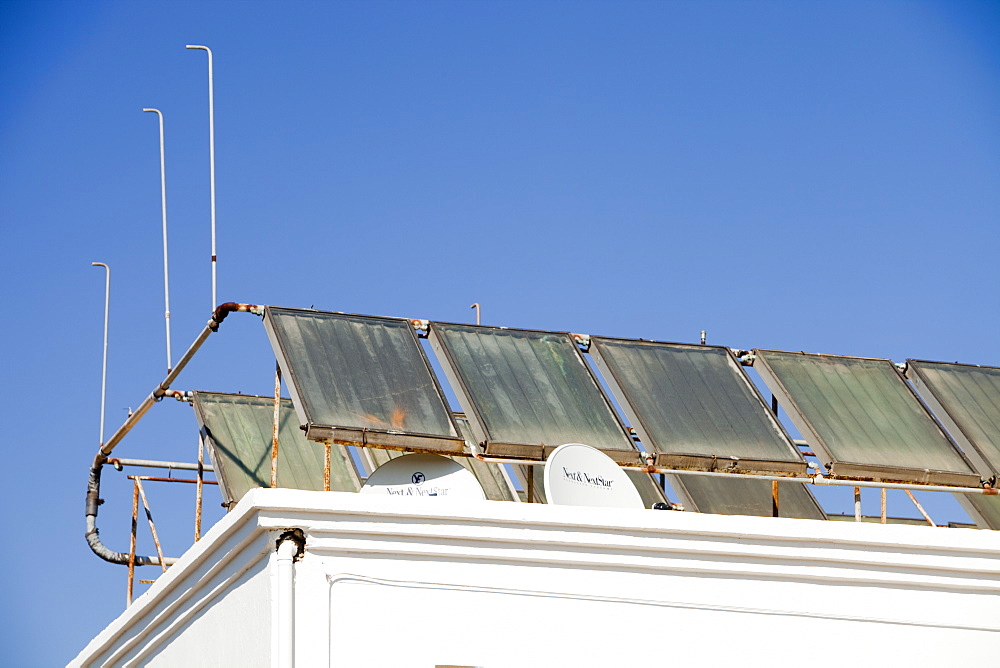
[225, 309]
[295, 538]
[94, 491]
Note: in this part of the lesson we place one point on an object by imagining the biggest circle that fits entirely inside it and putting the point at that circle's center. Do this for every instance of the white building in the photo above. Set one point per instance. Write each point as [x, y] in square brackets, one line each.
[363, 580]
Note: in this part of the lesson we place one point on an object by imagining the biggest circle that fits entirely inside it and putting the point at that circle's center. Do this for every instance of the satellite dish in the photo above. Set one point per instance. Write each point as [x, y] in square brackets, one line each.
[579, 475]
[423, 475]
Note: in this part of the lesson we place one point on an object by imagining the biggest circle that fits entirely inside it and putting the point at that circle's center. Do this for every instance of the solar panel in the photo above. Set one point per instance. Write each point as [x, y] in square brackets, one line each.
[966, 398]
[361, 380]
[984, 510]
[863, 419]
[695, 407]
[237, 430]
[735, 496]
[527, 392]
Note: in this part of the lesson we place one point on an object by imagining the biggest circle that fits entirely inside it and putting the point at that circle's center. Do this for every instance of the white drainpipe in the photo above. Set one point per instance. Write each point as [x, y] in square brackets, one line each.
[283, 654]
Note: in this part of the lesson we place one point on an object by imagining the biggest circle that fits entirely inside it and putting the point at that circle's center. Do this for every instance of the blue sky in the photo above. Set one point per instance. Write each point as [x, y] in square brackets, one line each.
[820, 176]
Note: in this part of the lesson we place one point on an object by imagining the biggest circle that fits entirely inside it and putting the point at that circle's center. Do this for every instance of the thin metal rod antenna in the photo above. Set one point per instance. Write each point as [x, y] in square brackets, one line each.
[211, 155]
[104, 365]
[476, 306]
[166, 270]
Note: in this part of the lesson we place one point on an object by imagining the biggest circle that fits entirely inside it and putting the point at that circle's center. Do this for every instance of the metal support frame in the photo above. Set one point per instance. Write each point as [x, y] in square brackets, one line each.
[93, 500]
[199, 487]
[327, 455]
[149, 518]
[920, 508]
[276, 425]
[118, 463]
[138, 491]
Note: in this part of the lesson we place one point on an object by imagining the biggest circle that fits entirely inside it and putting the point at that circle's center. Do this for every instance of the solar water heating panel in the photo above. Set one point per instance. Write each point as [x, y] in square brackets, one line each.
[863, 419]
[526, 392]
[966, 398]
[745, 496]
[694, 407]
[361, 380]
[238, 430]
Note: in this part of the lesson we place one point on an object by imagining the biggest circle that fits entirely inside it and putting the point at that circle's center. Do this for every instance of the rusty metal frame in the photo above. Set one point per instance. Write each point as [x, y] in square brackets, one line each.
[93, 500]
[276, 425]
[848, 469]
[139, 492]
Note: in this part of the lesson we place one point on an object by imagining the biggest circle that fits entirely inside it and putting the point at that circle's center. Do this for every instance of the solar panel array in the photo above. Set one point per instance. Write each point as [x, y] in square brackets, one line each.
[363, 380]
[863, 419]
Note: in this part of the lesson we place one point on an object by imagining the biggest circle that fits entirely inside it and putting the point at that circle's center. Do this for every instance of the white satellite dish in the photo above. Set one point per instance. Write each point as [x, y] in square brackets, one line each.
[579, 475]
[423, 475]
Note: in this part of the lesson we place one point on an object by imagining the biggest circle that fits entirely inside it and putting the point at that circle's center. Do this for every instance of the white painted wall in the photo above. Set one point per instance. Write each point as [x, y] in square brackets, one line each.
[424, 582]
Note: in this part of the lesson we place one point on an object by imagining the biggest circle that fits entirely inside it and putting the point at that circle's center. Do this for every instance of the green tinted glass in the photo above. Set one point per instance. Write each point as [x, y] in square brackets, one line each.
[358, 374]
[527, 387]
[692, 400]
[860, 415]
[967, 399]
[238, 431]
[734, 496]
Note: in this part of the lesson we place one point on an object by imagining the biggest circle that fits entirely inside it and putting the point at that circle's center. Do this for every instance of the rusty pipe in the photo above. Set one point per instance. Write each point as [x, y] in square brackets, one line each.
[154, 464]
[152, 527]
[160, 391]
[93, 537]
[199, 490]
[131, 548]
[93, 499]
[275, 427]
[812, 479]
[920, 507]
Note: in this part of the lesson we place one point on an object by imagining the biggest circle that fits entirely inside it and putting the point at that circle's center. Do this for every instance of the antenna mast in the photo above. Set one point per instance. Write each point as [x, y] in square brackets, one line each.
[166, 273]
[104, 366]
[211, 155]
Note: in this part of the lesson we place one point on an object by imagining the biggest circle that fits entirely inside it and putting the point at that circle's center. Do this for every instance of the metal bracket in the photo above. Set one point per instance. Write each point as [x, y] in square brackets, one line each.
[582, 340]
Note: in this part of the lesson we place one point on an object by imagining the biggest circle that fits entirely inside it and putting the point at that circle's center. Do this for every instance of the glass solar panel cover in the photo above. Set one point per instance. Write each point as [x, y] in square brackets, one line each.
[237, 430]
[361, 380]
[527, 392]
[695, 407]
[984, 510]
[863, 419]
[966, 398]
[738, 496]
